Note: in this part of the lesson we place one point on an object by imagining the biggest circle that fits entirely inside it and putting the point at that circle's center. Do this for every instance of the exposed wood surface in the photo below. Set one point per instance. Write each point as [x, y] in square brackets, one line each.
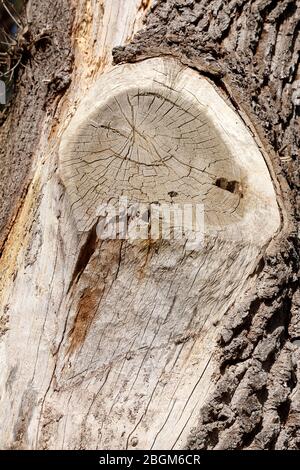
[146, 325]
[113, 344]
[252, 49]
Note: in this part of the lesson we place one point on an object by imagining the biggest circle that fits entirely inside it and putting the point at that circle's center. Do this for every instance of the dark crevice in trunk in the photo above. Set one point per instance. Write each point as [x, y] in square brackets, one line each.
[85, 254]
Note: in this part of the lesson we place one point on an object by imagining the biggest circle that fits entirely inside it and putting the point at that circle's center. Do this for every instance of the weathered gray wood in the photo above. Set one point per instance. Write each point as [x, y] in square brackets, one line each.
[108, 344]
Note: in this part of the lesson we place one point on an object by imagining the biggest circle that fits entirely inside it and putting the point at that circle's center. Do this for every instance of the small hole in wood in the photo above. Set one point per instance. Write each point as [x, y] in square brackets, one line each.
[234, 187]
[172, 193]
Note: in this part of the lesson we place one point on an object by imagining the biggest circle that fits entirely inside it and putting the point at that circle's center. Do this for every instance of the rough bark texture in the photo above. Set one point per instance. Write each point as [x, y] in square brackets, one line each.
[250, 49]
[47, 64]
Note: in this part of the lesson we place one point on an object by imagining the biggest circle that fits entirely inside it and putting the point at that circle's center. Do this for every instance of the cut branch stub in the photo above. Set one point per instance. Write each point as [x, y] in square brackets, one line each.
[144, 333]
[158, 131]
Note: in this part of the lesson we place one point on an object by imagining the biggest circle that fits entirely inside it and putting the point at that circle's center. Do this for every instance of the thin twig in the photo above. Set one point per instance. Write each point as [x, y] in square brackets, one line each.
[8, 36]
[5, 43]
[10, 71]
[10, 14]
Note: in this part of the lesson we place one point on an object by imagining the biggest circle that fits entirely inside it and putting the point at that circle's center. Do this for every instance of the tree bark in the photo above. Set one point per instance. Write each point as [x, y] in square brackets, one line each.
[73, 374]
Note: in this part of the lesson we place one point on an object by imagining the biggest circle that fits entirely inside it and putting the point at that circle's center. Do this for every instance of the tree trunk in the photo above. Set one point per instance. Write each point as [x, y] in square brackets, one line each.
[145, 344]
